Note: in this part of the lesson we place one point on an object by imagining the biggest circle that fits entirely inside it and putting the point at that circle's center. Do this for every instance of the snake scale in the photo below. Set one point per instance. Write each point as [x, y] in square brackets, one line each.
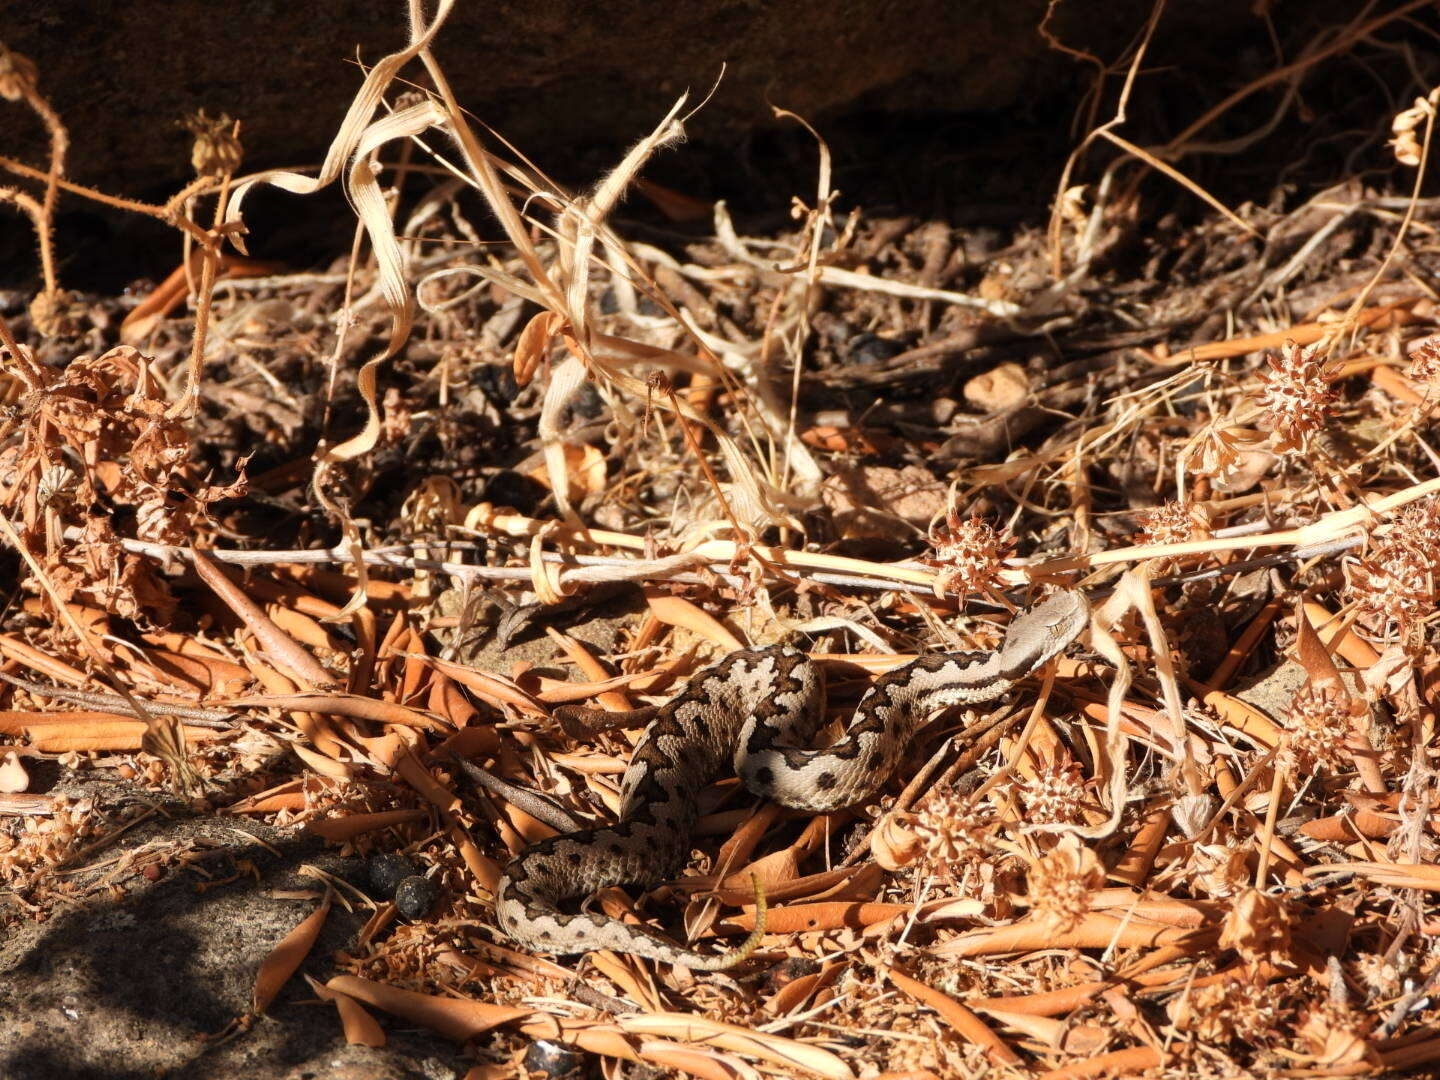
[757, 708]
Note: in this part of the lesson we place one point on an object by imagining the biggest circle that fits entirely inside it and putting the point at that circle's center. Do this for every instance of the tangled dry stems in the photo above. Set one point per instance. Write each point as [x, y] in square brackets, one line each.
[101, 446]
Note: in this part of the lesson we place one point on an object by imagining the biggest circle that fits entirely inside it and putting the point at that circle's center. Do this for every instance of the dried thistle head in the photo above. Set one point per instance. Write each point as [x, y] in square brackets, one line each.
[1220, 450]
[1173, 522]
[1395, 581]
[1337, 1035]
[1055, 794]
[1229, 1011]
[1257, 927]
[1381, 977]
[1062, 882]
[970, 554]
[955, 834]
[56, 313]
[1295, 395]
[1319, 721]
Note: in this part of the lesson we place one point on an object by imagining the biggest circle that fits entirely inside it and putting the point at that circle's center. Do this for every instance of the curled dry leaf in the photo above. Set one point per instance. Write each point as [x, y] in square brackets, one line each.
[584, 470]
[531, 347]
[895, 843]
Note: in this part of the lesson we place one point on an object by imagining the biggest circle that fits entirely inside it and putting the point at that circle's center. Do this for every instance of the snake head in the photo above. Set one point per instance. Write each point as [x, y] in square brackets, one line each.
[1043, 632]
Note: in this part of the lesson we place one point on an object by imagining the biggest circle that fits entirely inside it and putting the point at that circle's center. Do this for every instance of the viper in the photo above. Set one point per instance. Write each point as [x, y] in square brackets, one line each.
[757, 708]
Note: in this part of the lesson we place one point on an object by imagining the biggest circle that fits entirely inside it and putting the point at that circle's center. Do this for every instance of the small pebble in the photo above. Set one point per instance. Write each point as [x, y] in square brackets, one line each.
[415, 896]
[554, 1061]
[388, 870]
[868, 348]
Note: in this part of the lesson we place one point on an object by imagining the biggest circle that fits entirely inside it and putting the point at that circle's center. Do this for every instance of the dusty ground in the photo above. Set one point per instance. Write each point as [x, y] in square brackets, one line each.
[137, 980]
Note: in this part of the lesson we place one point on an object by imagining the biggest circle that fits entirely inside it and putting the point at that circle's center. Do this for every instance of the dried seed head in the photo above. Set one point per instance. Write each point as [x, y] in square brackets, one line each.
[1295, 395]
[1381, 977]
[1257, 927]
[1337, 1034]
[217, 150]
[955, 834]
[57, 482]
[1319, 722]
[970, 555]
[43, 844]
[1216, 451]
[55, 313]
[1221, 870]
[1229, 1011]
[1062, 881]
[1395, 581]
[1055, 795]
[1173, 522]
[17, 75]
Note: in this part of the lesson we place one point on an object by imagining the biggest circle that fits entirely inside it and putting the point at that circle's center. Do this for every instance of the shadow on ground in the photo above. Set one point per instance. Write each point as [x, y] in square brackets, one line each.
[130, 984]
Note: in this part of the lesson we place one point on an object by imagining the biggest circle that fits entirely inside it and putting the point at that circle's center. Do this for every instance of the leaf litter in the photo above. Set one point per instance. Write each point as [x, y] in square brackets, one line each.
[1203, 847]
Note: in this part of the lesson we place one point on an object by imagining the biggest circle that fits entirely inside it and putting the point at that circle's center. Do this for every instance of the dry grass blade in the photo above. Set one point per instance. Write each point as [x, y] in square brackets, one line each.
[781, 1052]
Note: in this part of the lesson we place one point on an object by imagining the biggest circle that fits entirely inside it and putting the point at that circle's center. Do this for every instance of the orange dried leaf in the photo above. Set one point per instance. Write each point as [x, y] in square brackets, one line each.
[961, 1020]
[803, 918]
[677, 611]
[277, 968]
[361, 1029]
[532, 344]
[452, 1017]
[584, 469]
[338, 830]
[1093, 932]
[1117, 1063]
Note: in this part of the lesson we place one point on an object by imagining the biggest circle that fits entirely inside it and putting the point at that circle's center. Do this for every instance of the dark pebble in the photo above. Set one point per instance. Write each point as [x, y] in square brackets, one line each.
[554, 1061]
[415, 896]
[870, 348]
[387, 871]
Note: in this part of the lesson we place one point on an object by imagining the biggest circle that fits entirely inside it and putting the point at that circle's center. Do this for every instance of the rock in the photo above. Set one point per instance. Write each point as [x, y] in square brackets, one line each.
[388, 870]
[1001, 387]
[415, 896]
[868, 500]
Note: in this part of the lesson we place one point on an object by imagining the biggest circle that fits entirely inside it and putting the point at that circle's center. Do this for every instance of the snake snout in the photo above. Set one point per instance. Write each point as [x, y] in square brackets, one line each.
[1043, 632]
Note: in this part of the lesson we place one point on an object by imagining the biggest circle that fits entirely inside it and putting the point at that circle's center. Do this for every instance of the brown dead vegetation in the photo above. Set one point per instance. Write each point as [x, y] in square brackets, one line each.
[1142, 866]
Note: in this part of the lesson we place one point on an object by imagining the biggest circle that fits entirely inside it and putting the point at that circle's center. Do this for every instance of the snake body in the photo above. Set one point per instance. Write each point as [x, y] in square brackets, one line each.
[757, 708]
